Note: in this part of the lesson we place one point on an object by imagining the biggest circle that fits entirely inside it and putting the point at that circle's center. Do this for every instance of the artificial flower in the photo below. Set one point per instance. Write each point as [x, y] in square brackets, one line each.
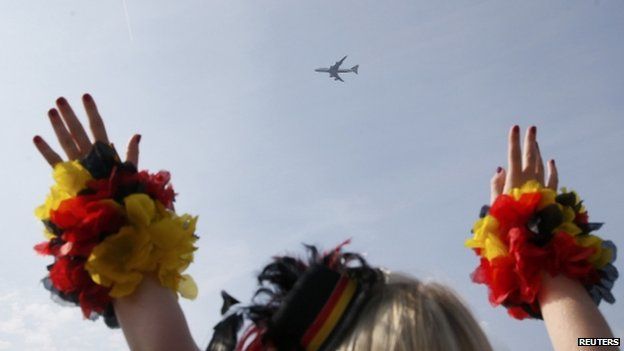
[513, 212]
[547, 196]
[156, 240]
[119, 260]
[485, 238]
[69, 277]
[602, 255]
[571, 259]
[85, 223]
[70, 178]
[530, 231]
[157, 186]
[107, 226]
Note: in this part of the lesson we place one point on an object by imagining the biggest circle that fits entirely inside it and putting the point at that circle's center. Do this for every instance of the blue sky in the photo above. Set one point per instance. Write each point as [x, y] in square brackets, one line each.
[271, 154]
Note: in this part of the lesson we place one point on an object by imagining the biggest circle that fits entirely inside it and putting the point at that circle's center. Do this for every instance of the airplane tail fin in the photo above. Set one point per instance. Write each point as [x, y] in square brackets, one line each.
[355, 68]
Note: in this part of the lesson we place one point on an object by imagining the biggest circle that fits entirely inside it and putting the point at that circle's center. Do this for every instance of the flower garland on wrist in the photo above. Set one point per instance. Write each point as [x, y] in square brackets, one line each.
[533, 231]
[107, 227]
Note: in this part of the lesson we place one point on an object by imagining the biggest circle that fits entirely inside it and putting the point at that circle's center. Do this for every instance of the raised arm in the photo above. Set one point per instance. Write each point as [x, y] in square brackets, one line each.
[570, 313]
[568, 310]
[150, 317]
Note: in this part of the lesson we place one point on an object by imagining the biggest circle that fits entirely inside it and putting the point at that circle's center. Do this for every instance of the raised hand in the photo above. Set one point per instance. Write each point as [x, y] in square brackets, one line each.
[567, 309]
[72, 136]
[523, 165]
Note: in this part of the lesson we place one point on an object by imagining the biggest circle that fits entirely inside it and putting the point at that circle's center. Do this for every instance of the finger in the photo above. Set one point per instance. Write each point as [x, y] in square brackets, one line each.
[65, 139]
[132, 154]
[95, 120]
[75, 127]
[497, 184]
[514, 160]
[529, 157]
[553, 176]
[539, 168]
[46, 151]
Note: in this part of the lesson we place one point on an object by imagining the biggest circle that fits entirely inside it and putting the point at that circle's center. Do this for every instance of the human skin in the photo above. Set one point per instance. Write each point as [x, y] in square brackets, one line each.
[152, 319]
[568, 311]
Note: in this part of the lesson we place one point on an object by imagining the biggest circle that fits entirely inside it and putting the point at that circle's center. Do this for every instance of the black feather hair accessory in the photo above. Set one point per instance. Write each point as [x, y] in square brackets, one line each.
[299, 304]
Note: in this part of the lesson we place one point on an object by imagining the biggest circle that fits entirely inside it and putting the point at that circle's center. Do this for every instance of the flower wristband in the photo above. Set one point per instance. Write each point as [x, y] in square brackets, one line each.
[534, 230]
[107, 226]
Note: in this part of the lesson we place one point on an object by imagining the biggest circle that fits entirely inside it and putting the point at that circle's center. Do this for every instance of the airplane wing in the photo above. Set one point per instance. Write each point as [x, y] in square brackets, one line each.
[336, 77]
[337, 65]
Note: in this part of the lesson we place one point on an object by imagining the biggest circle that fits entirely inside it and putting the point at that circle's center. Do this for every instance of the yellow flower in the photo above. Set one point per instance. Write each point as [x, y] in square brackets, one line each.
[48, 235]
[486, 239]
[568, 224]
[188, 288]
[548, 198]
[533, 186]
[140, 209]
[174, 240]
[70, 178]
[157, 240]
[118, 261]
[602, 256]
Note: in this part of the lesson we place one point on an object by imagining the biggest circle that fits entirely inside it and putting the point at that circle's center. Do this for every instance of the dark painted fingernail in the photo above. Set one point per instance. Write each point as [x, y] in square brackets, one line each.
[37, 139]
[61, 101]
[498, 169]
[53, 114]
[138, 138]
[515, 129]
[553, 162]
[533, 129]
[87, 97]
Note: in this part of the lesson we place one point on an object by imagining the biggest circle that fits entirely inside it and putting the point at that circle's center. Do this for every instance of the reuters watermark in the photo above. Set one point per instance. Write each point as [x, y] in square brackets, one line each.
[598, 341]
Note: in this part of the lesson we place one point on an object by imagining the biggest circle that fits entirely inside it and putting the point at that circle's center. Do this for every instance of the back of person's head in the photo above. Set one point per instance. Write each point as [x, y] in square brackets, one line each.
[329, 303]
[404, 314]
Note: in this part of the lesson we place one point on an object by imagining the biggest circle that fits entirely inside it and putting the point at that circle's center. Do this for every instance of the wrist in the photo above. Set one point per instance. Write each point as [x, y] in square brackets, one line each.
[108, 227]
[559, 288]
[530, 237]
[569, 313]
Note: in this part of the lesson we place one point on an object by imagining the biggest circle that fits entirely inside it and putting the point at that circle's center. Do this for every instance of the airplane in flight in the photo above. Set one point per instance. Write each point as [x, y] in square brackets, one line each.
[335, 69]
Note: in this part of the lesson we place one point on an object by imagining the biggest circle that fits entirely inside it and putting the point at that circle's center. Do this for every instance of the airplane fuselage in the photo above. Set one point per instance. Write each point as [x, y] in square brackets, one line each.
[327, 70]
[334, 70]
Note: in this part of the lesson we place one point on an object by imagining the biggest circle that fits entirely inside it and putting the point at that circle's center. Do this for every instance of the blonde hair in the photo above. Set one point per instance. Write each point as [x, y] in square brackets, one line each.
[405, 314]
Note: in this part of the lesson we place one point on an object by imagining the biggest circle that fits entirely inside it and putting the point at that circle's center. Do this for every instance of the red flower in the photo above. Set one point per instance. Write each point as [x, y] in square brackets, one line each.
[530, 260]
[515, 280]
[63, 273]
[84, 222]
[50, 247]
[499, 276]
[572, 260]
[517, 312]
[581, 218]
[69, 277]
[123, 182]
[109, 188]
[157, 187]
[511, 213]
[93, 298]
